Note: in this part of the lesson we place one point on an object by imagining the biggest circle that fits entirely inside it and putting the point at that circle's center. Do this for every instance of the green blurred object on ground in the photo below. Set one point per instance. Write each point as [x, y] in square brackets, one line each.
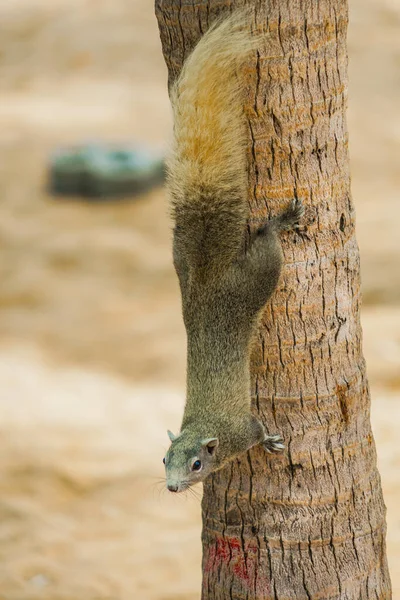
[102, 172]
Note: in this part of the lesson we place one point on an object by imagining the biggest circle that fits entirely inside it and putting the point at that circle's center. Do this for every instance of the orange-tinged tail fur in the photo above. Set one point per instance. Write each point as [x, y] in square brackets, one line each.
[207, 164]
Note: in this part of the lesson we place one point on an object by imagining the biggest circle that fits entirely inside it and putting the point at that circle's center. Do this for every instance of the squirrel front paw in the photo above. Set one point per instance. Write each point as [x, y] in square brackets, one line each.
[273, 443]
[290, 217]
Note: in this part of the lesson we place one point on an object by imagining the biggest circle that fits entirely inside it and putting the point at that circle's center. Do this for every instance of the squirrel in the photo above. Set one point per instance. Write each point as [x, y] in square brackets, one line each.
[224, 282]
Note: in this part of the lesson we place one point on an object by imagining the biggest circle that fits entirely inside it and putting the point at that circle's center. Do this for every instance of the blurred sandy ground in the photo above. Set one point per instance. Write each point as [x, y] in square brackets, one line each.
[92, 345]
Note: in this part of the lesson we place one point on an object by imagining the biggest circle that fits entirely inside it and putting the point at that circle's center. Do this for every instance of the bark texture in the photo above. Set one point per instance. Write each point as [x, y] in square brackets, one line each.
[311, 523]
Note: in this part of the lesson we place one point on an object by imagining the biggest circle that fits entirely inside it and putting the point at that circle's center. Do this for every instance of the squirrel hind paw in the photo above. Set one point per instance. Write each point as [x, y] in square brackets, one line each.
[291, 216]
[273, 443]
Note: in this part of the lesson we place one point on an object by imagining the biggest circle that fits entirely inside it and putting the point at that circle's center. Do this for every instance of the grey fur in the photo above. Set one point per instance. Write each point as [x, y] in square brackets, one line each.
[222, 298]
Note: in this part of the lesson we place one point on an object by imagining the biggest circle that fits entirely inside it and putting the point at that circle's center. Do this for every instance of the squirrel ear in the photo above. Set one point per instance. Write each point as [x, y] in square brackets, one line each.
[171, 436]
[211, 445]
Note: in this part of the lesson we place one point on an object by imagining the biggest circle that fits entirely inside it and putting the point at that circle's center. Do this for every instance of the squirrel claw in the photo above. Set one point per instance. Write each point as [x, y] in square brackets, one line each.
[298, 212]
[273, 443]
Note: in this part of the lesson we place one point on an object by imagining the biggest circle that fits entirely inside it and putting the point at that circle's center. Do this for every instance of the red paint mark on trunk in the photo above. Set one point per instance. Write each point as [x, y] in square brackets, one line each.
[228, 554]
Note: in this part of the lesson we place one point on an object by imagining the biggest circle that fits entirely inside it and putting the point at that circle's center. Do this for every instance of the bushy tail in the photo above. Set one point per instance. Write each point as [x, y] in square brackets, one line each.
[208, 159]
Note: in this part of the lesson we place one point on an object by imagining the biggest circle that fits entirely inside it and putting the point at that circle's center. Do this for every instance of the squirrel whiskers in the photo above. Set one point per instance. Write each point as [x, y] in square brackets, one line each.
[224, 284]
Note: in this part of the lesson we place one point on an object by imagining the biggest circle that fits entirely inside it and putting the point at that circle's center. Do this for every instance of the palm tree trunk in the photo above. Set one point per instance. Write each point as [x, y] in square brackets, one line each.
[309, 524]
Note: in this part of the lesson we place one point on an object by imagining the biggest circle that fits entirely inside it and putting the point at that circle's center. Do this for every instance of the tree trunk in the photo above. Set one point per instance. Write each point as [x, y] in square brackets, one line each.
[310, 523]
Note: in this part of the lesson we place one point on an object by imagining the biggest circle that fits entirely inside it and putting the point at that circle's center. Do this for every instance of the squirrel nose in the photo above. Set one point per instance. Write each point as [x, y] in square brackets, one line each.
[172, 487]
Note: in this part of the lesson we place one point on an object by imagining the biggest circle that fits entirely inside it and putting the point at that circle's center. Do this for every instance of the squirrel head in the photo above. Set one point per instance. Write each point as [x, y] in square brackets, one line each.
[189, 460]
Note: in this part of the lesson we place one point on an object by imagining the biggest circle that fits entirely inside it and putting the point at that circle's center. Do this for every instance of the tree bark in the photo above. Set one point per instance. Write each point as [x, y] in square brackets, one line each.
[309, 524]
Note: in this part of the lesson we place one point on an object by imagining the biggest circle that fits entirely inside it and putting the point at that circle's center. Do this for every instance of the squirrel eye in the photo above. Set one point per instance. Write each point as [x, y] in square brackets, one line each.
[163, 460]
[196, 465]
